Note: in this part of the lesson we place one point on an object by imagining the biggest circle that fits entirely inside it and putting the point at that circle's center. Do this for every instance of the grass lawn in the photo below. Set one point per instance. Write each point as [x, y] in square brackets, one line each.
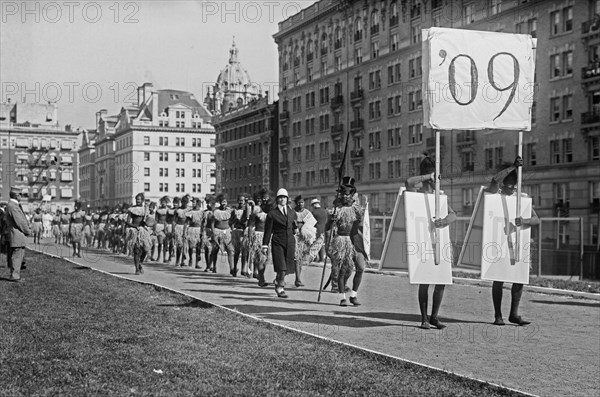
[68, 330]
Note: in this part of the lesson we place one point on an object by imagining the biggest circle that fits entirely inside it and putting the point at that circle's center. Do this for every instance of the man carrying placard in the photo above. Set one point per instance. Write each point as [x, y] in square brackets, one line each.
[425, 183]
[504, 182]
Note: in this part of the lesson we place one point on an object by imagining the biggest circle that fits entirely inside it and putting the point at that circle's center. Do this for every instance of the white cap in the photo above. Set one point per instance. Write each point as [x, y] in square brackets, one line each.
[315, 201]
[282, 192]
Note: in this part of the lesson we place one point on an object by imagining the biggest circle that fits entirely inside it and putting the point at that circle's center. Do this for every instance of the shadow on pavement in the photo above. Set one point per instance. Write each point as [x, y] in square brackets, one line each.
[256, 309]
[339, 321]
[407, 317]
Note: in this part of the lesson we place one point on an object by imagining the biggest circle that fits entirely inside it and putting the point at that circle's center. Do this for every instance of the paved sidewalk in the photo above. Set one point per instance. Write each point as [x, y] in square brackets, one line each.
[558, 354]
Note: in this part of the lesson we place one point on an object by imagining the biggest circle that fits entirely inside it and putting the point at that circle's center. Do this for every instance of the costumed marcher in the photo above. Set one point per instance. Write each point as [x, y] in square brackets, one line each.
[425, 183]
[221, 233]
[194, 224]
[317, 249]
[101, 229]
[17, 229]
[169, 236]
[47, 223]
[207, 237]
[280, 228]
[56, 232]
[260, 207]
[88, 227]
[4, 239]
[137, 233]
[346, 248]
[305, 236]
[37, 226]
[505, 183]
[65, 220]
[95, 223]
[179, 230]
[150, 223]
[76, 228]
[239, 223]
[161, 228]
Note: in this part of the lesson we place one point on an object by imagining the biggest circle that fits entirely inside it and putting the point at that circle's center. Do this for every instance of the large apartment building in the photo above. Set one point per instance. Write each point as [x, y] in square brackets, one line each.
[161, 145]
[248, 148]
[357, 66]
[37, 155]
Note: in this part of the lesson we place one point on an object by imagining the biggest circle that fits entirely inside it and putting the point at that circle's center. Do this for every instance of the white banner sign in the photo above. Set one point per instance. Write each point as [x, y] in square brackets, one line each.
[475, 80]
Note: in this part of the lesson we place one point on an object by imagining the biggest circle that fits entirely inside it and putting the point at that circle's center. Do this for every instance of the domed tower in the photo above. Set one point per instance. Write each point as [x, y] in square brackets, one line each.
[234, 87]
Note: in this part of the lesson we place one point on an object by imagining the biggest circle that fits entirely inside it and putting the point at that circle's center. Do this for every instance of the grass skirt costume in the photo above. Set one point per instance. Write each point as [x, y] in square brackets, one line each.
[255, 245]
[222, 237]
[159, 231]
[194, 235]
[36, 227]
[341, 249]
[56, 230]
[138, 238]
[76, 226]
[178, 237]
[307, 235]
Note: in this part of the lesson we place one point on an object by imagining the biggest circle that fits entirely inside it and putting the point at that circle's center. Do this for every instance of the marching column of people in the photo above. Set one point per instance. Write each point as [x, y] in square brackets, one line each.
[258, 231]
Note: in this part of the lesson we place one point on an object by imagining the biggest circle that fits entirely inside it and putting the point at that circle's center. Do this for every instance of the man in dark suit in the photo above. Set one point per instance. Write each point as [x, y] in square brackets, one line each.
[281, 226]
[18, 231]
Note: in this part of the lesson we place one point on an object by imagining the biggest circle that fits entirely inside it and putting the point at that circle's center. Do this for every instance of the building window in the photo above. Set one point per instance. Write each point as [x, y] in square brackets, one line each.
[530, 154]
[495, 7]
[594, 143]
[554, 23]
[146, 156]
[568, 107]
[146, 140]
[568, 19]
[567, 150]
[374, 50]
[554, 109]
[415, 34]
[555, 152]
[146, 171]
[395, 41]
[468, 14]
[146, 186]
[358, 58]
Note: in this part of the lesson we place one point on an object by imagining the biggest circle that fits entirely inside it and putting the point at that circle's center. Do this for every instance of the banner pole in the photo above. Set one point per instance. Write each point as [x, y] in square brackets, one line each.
[437, 195]
[519, 179]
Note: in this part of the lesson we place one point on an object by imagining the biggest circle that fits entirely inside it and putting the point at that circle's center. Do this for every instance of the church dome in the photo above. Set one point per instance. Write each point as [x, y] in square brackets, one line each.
[234, 78]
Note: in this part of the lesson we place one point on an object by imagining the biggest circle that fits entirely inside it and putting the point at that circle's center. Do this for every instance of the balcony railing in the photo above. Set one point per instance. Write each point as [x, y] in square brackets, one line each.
[591, 26]
[357, 125]
[336, 157]
[336, 101]
[357, 95]
[309, 57]
[590, 117]
[284, 115]
[394, 19]
[590, 71]
[337, 129]
[358, 35]
[284, 140]
[374, 29]
[284, 165]
[357, 154]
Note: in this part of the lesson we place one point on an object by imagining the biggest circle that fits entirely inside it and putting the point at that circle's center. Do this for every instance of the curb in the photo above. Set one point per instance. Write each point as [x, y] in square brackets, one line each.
[486, 283]
[257, 319]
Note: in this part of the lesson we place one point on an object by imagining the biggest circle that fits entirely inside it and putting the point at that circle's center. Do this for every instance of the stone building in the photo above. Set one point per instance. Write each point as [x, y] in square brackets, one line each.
[356, 66]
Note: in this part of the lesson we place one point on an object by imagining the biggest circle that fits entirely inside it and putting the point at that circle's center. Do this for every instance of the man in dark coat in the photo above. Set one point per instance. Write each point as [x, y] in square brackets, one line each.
[18, 231]
[281, 226]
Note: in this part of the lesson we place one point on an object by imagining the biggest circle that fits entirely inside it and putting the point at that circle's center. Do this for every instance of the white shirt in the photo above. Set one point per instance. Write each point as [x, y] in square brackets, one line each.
[283, 209]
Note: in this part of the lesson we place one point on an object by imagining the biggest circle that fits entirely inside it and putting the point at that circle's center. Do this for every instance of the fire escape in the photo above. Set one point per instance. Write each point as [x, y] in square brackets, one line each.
[38, 171]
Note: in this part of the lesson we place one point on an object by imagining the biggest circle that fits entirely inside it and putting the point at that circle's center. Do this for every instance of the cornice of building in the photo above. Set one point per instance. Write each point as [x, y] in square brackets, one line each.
[284, 30]
[164, 129]
[34, 131]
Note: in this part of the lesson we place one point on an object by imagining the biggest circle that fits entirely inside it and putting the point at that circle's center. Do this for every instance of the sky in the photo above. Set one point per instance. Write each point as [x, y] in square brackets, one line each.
[92, 55]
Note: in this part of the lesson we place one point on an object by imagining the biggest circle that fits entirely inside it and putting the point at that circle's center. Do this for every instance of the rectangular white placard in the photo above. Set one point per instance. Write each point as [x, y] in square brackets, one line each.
[476, 80]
